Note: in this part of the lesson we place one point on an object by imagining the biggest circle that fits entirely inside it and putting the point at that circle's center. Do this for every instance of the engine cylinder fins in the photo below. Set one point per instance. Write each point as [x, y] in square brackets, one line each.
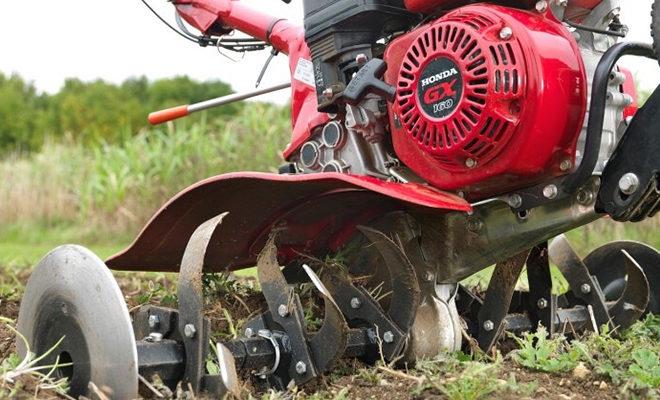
[608, 264]
[460, 87]
[72, 299]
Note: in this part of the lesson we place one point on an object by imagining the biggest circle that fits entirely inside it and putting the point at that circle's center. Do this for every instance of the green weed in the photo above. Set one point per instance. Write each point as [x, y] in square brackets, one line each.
[539, 352]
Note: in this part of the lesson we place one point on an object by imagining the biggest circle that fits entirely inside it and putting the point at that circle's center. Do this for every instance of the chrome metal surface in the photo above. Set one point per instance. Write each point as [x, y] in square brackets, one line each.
[453, 251]
[629, 183]
[232, 98]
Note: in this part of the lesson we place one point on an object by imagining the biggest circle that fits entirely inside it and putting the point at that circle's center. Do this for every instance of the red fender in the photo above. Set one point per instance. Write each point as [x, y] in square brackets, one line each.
[316, 212]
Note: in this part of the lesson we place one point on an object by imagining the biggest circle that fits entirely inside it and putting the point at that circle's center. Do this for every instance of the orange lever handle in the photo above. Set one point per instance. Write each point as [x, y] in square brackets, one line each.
[168, 114]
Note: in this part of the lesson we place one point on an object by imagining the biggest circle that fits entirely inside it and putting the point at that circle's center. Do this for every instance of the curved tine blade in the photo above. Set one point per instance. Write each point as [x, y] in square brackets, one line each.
[228, 375]
[405, 287]
[577, 274]
[277, 293]
[329, 343]
[561, 251]
[191, 301]
[635, 296]
[273, 284]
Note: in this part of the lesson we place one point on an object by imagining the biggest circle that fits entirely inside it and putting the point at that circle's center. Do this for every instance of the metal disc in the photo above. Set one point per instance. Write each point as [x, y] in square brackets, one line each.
[608, 264]
[71, 294]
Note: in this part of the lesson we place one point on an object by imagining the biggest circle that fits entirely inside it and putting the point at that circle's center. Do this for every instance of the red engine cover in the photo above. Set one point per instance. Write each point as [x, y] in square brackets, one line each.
[488, 99]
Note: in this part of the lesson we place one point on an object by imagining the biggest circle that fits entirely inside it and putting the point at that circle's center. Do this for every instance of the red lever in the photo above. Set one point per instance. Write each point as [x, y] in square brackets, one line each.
[168, 114]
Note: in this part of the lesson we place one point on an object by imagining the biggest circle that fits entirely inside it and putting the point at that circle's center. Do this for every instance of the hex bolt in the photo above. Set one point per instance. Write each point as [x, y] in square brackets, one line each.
[155, 337]
[542, 303]
[541, 6]
[470, 163]
[189, 330]
[562, 3]
[550, 191]
[355, 303]
[506, 33]
[328, 93]
[154, 321]
[283, 310]
[361, 59]
[301, 368]
[585, 288]
[515, 201]
[388, 337]
[629, 183]
[249, 332]
[428, 276]
[585, 197]
[565, 165]
[488, 325]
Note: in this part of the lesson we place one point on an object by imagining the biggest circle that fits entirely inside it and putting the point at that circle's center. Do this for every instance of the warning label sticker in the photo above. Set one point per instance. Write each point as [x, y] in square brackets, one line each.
[304, 72]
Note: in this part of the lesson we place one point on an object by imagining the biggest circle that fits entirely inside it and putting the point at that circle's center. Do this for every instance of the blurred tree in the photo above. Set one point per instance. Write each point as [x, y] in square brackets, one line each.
[21, 111]
[93, 112]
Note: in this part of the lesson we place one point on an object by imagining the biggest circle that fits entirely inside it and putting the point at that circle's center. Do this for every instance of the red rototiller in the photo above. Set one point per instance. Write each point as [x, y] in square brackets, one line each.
[431, 139]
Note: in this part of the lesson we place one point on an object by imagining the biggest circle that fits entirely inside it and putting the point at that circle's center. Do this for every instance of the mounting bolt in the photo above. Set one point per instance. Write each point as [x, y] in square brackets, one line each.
[249, 332]
[328, 93]
[154, 321]
[488, 325]
[474, 224]
[628, 183]
[506, 33]
[301, 368]
[388, 337]
[515, 201]
[155, 337]
[541, 6]
[550, 191]
[542, 303]
[470, 163]
[361, 59]
[565, 165]
[283, 310]
[189, 330]
[585, 197]
[355, 303]
[428, 276]
[585, 288]
[562, 3]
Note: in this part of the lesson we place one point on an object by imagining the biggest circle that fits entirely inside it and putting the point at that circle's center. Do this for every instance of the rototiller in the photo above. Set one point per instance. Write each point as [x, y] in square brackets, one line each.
[431, 139]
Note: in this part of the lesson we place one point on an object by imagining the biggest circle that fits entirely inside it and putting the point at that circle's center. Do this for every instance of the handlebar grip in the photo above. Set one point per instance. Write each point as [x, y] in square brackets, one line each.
[168, 114]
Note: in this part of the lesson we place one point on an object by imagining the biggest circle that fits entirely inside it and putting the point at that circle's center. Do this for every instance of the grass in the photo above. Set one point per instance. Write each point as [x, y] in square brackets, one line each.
[16, 373]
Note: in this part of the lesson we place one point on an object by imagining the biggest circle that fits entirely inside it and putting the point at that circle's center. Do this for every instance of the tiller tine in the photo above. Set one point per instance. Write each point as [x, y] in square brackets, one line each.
[329, 343]
[193, 327]
[585, 307]
[498, 299]
[308, 356]
[582, 285]
[632, 303]
[404, 283]
[586, 287]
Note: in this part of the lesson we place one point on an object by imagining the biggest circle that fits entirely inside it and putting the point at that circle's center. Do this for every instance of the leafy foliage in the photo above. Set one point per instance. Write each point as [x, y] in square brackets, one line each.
[93, 112]
[538, 352]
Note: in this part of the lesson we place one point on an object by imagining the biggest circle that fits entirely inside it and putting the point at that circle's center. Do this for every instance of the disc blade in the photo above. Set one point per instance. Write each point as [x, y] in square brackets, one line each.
[72, 296]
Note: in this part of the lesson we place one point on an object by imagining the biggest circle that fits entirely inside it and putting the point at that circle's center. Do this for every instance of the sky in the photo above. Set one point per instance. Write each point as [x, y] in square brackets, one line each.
[48, 41]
